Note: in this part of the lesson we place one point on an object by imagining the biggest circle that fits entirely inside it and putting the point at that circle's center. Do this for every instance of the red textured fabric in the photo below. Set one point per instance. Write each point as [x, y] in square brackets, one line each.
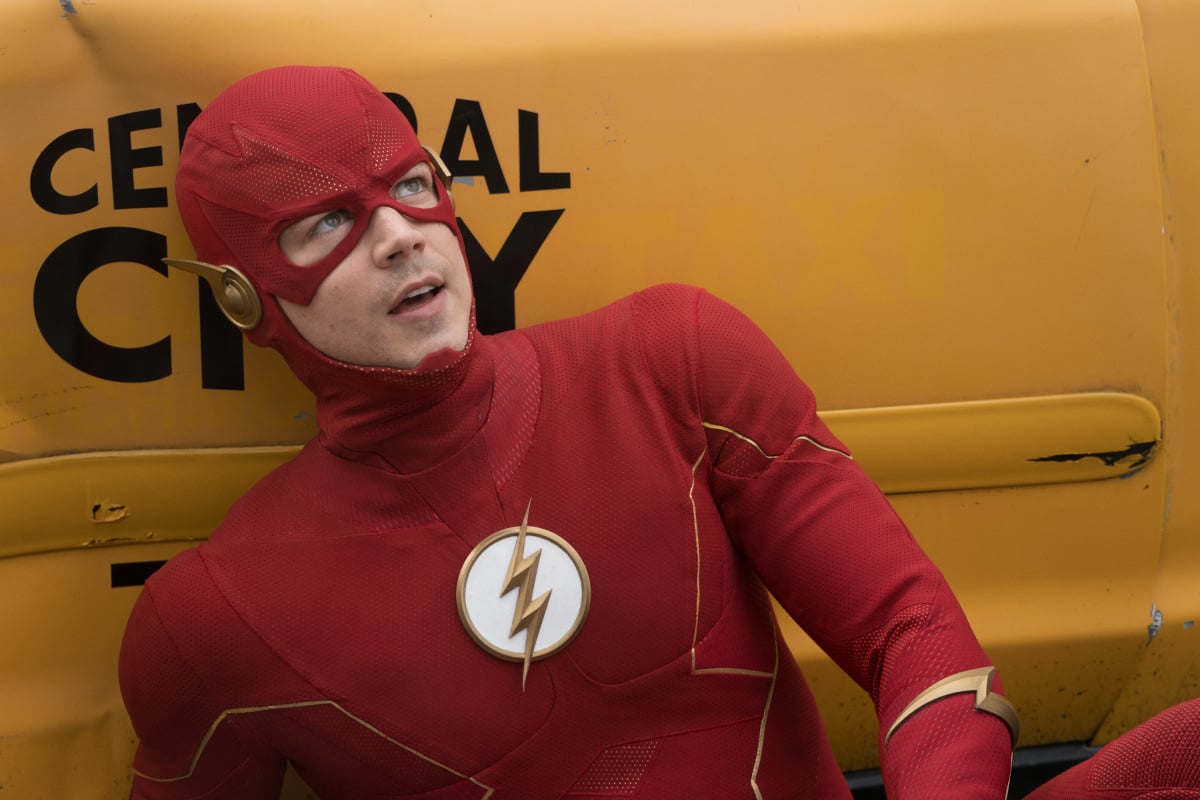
[618, 771]
[258, 158]
[280, 145]
[875, 603]
[1157, 760]
[324, 607]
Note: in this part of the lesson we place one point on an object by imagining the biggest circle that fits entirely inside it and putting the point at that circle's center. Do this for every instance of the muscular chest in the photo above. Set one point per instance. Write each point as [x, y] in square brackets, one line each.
[371, 620]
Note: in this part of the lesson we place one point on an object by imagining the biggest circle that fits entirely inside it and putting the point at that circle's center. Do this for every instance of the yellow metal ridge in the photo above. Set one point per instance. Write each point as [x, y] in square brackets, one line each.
[985, 444]
[129, 497]
[134, 497]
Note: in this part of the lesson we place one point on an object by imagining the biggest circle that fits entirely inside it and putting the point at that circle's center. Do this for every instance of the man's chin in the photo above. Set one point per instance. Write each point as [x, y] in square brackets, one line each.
[438, 358]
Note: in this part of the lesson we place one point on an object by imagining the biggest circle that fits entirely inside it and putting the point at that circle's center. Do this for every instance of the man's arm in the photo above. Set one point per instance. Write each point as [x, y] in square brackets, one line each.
[833, 552]
[189, 746]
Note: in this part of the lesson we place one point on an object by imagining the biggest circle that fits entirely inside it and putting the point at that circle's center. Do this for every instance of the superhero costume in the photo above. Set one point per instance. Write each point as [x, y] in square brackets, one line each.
[1157, 760]
[672, 446]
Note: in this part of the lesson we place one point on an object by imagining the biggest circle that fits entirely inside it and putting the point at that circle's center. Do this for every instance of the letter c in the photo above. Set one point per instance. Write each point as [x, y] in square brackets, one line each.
[55, 291]
[41, 187]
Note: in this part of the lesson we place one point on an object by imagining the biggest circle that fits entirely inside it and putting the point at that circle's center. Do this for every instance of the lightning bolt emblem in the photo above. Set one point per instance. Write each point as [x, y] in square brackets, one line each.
[528, 614]
[500, 564]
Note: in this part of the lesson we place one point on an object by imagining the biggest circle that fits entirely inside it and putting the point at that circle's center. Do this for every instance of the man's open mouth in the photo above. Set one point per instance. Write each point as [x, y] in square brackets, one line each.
[416, 299]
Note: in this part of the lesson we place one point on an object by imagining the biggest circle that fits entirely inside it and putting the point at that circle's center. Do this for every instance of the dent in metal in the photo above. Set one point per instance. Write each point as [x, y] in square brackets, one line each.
[109, 512]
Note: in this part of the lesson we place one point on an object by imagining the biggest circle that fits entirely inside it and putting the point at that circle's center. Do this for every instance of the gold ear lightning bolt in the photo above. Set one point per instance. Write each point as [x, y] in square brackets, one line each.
[236, 296]
[527, 616]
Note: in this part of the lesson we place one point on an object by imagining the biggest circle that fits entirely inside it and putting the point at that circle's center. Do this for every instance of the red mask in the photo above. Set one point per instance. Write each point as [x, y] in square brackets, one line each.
[284, 144]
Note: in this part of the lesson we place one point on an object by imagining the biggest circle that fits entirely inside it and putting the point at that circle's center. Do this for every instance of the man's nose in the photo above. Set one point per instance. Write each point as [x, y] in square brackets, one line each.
[393, 235]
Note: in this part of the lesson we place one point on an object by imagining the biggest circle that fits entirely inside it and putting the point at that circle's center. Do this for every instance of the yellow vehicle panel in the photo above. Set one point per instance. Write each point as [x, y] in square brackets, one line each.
[970, 224]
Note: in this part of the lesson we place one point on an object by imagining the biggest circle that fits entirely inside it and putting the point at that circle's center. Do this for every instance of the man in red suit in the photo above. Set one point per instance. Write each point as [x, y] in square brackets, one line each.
[525, 566]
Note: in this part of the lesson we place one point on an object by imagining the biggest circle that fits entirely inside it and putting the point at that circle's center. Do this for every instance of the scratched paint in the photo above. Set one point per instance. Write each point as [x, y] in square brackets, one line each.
[1156, 621]
[1138, 452]
[109, 512]
[68, 7]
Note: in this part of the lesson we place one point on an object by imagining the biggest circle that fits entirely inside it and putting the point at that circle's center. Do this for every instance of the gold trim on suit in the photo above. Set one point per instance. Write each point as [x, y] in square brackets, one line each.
[712, 426]
[488, 790]
[978, 681]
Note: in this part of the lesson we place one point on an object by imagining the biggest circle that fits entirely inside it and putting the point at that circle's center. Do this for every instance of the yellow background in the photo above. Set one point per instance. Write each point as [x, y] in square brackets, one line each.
[970, 225]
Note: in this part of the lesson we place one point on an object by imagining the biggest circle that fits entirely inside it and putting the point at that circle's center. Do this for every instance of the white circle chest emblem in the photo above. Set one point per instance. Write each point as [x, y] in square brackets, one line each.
[523, 594]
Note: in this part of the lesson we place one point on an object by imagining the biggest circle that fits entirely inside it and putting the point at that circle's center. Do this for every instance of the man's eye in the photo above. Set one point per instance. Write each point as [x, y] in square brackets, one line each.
[306, 241]
[409, 187]
[330, 222]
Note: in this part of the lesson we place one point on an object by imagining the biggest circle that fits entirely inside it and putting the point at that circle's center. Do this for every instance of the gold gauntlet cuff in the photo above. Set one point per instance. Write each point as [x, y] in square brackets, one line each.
[978, 681]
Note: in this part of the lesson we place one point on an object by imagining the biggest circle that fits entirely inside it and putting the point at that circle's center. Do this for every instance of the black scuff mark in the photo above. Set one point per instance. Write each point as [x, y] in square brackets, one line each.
[1139, 453]
[68, 7]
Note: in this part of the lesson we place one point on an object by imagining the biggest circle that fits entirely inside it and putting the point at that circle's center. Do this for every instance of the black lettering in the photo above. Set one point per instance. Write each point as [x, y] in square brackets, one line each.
[125, 158]
[496, 279]
[185, 115]
[42, 188]
[221, 355]
[406, 108]
[54, 303]
[132, 573]
[468, 116]
[529, 148]
[222, 361]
